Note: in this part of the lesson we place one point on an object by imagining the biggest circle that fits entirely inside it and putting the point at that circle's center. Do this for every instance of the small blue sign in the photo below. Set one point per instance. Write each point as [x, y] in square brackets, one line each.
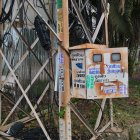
[61, 58]
[94, 70]
[79, 65]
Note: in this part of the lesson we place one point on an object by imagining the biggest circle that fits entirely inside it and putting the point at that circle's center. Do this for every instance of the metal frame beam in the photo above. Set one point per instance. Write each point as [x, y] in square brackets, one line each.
[26, 97]
[80, 17]
[26, 90]
[64, 91]
[1, 33]
[20, 61]
[34, 79]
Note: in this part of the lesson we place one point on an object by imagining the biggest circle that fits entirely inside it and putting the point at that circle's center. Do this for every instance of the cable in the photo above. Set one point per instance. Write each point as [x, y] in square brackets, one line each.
[26, 16]
[12, 59]
[5, 16]
[4, 63]
[56, 97]
[45, 10]
[7, 38]
[99, 108]
[37, 5]
[90, 15]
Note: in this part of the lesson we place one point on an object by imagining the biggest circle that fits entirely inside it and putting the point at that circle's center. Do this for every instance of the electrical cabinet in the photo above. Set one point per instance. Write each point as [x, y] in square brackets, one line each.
[99, 72]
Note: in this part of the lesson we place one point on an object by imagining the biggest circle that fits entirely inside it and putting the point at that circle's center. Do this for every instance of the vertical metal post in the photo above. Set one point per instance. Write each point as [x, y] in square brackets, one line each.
[64, 80]
[1, 31]
[0, 107]
[106, 23]
[111, 112]
[107, 43]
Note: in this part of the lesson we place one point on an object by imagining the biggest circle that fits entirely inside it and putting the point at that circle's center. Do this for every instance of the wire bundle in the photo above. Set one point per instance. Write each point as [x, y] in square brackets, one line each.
[77, 33]
[4, 16]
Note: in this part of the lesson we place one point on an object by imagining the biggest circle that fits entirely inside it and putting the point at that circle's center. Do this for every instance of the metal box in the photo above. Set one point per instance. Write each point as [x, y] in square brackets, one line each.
[99, 72]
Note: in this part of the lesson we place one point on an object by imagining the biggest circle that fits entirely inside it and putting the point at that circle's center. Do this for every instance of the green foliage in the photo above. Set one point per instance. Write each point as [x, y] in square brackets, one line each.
[37, 88]
[135, 87]
[62, 112]
[132, 134]
[118, 21]
[131, 65]
[128, 14]
[123, 29]
[123, 24]
[127, 110]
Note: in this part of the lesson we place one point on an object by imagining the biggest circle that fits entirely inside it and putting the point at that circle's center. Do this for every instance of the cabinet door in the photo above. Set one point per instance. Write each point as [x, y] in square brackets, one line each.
[107, 73]
[78, 74]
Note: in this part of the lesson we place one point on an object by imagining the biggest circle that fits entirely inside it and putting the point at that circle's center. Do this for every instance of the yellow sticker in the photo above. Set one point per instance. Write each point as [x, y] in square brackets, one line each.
[60, 21]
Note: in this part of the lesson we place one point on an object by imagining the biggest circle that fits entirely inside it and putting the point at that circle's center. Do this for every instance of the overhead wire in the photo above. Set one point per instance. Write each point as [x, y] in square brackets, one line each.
[12, 59]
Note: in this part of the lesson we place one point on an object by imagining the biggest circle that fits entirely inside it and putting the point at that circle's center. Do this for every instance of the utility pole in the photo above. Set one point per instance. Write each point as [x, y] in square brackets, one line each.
[64, 77]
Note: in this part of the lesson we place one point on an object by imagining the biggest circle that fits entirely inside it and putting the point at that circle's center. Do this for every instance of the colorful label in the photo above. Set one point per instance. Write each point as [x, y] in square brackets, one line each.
[59, 4]
[113, 68]
[61, 58]
[94, 70]
[110, 89]
[123, 89]
[89, 81]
